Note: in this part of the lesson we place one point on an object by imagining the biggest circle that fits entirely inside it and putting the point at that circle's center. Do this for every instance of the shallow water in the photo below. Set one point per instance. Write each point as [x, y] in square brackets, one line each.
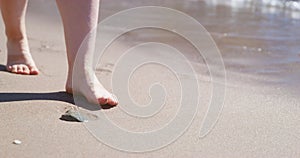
[258, 39]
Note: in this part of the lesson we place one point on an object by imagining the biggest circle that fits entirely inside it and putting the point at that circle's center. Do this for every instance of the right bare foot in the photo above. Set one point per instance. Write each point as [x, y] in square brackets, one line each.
[91, 88]
[19, 60]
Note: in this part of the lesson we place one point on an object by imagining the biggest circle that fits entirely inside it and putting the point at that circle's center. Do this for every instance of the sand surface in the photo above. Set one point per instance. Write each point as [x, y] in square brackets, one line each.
[260, 117]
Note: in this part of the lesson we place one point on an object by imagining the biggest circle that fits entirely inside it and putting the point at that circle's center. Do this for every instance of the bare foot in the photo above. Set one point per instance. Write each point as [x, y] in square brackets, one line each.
[19, 60]
[92, 90]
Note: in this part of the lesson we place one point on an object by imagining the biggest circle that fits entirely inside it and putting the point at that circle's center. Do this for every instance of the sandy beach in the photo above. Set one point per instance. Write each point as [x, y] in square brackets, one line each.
[260, 116]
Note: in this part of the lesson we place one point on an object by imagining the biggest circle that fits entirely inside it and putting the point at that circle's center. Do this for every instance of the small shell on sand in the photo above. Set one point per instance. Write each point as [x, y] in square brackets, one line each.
[259, 49]
[17, 142]
[78, 115]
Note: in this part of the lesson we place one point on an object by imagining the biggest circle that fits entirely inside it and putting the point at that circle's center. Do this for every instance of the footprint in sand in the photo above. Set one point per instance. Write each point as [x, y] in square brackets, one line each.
[105, 69]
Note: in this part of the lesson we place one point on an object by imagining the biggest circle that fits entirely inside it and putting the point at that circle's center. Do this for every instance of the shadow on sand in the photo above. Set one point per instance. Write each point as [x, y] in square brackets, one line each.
[2, 67]
[55, 96]
[58, 96]
[52, 96]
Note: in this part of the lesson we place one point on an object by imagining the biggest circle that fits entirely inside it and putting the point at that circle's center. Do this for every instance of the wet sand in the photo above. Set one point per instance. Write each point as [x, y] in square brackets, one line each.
[260, 117]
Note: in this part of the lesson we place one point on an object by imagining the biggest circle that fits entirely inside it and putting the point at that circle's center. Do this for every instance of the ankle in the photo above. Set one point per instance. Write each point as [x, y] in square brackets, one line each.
[17, 46]
[14, 35]
[17, 40]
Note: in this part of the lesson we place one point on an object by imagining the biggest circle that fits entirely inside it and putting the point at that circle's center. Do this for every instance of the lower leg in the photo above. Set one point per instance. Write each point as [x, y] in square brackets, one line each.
[19, 59]
[79, 19]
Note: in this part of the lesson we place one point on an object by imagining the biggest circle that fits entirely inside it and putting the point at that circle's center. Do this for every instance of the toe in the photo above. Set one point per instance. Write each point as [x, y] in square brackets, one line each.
[34, 71]
[26, 70]
[19, 69]
[102, 101]
[112, 102]
[9, 68]
[108, 100]
[14, 69]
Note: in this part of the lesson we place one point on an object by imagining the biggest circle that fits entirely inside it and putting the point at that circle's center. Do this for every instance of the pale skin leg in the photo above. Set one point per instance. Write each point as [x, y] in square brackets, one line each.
[79, 18]
[19, 59]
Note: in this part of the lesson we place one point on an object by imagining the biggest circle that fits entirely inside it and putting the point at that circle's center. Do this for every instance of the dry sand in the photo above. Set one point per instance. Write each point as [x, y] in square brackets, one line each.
[260, 117]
